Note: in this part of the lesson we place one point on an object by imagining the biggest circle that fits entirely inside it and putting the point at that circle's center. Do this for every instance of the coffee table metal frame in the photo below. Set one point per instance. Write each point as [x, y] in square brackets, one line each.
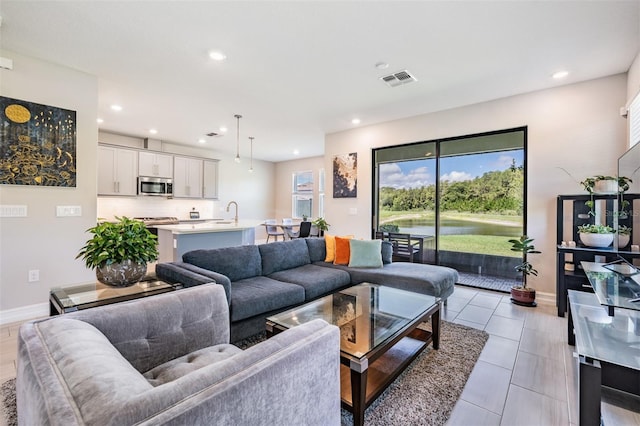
[364, 378]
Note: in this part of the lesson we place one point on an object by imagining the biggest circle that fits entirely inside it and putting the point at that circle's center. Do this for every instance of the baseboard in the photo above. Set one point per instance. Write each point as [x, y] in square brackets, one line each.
[24, 313]
[546, 298]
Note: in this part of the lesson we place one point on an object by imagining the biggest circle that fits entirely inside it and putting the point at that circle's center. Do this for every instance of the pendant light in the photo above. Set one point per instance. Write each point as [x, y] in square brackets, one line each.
[238, 117]
[251, 138]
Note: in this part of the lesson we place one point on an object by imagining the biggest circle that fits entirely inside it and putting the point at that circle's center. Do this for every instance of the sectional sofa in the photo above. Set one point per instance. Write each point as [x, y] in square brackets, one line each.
[261, 280]
[166, 360]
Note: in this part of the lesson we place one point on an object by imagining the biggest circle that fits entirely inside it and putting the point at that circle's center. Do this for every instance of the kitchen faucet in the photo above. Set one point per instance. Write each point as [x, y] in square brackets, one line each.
[236, 204]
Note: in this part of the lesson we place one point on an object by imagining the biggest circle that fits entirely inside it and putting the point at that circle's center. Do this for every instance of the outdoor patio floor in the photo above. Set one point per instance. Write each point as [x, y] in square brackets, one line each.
[486, 281]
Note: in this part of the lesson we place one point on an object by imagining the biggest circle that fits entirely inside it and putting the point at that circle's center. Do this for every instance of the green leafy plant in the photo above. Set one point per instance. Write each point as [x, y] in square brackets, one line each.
[524, 245]
[389, 227]
[624, 230]
[114, 242]
[595, 229]
[321, 224]
[623, 186]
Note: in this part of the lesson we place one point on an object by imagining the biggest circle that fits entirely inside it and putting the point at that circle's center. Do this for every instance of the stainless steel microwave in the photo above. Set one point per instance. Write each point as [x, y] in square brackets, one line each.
[155, 186]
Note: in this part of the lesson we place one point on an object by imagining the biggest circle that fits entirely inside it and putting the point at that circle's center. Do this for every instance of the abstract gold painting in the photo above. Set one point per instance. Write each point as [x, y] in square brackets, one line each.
[37, 144]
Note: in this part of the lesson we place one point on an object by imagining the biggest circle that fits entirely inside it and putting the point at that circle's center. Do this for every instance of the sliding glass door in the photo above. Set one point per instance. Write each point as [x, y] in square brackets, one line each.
[464, 197]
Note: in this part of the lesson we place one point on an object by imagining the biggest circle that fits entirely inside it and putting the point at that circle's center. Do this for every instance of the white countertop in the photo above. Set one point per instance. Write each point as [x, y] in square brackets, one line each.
[211, 226]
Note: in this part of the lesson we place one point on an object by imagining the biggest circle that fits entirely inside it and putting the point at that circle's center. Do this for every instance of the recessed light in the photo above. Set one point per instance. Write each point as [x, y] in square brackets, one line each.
[99, 120]
[217, 55]
[153, 131]
[116, 107]
[560, 74]
[355, 121]
[201, 140]
[223, 129]
[382, 65]
[296, 152]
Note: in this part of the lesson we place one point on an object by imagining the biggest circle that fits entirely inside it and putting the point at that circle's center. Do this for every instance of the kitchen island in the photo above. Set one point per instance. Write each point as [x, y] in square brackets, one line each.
[176, 240]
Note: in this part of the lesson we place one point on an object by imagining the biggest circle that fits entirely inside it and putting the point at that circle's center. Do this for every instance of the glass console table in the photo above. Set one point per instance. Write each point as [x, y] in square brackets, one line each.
[607, 345]
[85, 296]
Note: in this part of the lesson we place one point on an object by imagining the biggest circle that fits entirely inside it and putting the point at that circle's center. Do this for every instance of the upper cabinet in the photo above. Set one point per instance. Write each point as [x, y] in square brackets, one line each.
[187, 177]
[117, 171]
[210, 179]
[155, 165]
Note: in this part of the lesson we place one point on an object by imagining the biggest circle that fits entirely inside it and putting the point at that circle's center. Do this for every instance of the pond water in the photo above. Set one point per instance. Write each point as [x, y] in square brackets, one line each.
[457, 227]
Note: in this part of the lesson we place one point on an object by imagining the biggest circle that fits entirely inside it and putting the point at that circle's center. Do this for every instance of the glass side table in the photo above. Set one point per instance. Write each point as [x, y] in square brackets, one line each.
[69, 299]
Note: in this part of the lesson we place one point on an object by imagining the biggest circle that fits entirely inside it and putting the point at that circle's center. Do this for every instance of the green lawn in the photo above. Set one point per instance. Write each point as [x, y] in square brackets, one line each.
[486, 244]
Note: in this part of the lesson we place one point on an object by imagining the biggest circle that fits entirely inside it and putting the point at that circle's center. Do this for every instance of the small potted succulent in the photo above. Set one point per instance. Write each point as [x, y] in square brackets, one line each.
[593, 235]
[119, 251]
[521, 294]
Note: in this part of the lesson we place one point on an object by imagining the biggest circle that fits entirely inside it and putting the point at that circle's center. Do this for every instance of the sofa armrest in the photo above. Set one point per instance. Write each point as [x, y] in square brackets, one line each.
[190, 275]
[153, 330]
[291, 378]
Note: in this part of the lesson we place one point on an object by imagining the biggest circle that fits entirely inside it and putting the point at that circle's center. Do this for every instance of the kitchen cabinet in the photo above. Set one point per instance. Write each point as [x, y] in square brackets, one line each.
[155, 164]
[210, 180]
[187, 177]
[117, 171]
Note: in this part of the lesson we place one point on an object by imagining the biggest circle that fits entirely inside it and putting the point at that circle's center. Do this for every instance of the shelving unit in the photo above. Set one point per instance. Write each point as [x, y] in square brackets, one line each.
[572, 212]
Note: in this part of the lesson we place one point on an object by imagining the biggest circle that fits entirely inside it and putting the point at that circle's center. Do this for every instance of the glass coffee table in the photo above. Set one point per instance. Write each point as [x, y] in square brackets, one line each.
[379, 337]
[85, 296]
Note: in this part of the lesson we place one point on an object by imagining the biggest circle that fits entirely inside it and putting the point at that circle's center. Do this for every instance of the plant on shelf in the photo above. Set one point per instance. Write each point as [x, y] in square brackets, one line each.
[593, 235]
[606, 185]
[119, 251]
[321, 224]
[521, 294]
[624, 236]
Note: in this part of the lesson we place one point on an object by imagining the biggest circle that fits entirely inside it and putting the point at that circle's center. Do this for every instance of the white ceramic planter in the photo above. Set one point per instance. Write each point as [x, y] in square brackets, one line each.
[606, 186]
[623, 240]
[596, 240]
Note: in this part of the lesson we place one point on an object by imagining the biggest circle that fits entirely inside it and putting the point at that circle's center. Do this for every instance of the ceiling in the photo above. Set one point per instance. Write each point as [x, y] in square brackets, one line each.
[298, 70]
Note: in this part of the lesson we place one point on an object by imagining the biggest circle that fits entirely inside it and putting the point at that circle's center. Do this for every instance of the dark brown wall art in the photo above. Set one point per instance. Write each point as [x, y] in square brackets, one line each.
[345, 175]
[37, 144]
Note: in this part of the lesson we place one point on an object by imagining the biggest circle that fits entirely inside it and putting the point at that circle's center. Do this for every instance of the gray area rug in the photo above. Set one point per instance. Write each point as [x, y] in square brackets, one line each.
[424, 394]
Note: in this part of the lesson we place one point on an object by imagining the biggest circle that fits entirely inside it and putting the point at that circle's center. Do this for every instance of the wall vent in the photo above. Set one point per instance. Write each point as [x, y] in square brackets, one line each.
[213, 134]
[398, 78]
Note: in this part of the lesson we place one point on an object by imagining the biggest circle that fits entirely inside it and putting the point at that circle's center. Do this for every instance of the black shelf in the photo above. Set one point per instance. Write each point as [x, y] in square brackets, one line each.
[572, 212]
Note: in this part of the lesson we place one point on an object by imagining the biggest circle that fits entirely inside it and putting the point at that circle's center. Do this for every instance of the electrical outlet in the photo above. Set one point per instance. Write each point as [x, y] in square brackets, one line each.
[34, 275]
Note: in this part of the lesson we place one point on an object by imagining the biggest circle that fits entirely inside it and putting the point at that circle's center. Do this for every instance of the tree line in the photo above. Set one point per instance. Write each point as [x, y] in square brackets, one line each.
[493, 192]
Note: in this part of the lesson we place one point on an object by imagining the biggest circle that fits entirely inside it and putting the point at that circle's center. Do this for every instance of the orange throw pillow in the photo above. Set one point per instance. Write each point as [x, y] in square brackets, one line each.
[343, 251]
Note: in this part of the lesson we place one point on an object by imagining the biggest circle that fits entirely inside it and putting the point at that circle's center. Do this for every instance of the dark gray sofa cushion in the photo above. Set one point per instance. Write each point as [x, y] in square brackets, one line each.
[237, 263]
[317, 249]
[283, 255]
[316, 280]
[387, 252]
[417, 277]
[258, 295]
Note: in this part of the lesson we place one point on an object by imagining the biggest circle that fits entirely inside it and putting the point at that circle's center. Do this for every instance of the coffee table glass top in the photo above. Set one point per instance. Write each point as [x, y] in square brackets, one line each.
[97, 292]
[614, 339]
[367, 314]
[613, 289]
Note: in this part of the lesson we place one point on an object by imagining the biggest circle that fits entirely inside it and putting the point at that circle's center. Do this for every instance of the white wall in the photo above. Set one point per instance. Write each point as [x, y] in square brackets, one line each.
[633, 80]
[576, 127]
[41, 240]
[284, 173]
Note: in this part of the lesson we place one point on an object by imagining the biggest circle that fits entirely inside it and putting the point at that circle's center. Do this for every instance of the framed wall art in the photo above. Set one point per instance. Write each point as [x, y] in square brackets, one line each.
[345, 175]
[37, 144]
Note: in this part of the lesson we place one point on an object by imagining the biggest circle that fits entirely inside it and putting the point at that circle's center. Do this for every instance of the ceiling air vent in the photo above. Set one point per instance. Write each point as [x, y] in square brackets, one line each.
[399, 78]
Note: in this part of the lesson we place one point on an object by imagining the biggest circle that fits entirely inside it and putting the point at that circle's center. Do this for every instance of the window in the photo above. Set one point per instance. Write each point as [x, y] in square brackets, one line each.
[302, 194]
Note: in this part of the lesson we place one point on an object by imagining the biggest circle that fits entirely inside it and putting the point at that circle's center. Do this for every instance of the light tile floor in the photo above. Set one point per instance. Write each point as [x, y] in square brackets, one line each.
[526, 374]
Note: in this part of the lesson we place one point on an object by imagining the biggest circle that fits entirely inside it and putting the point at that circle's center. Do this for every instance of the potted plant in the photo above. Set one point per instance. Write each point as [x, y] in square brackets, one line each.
[322, 225]
[119, 251]
[624, 236]
[605, 185]
[304, 217]
[593, 235]
[521, 294]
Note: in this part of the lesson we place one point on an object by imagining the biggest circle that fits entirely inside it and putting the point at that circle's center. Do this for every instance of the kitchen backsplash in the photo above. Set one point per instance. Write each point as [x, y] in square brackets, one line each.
[109, 207]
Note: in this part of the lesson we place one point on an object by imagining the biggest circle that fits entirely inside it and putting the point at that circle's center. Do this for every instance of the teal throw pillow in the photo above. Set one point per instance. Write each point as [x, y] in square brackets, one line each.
[365, 254]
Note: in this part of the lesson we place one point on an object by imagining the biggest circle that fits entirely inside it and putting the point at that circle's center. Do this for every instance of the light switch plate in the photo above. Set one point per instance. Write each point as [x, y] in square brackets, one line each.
[66, 211]
[7, 210]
